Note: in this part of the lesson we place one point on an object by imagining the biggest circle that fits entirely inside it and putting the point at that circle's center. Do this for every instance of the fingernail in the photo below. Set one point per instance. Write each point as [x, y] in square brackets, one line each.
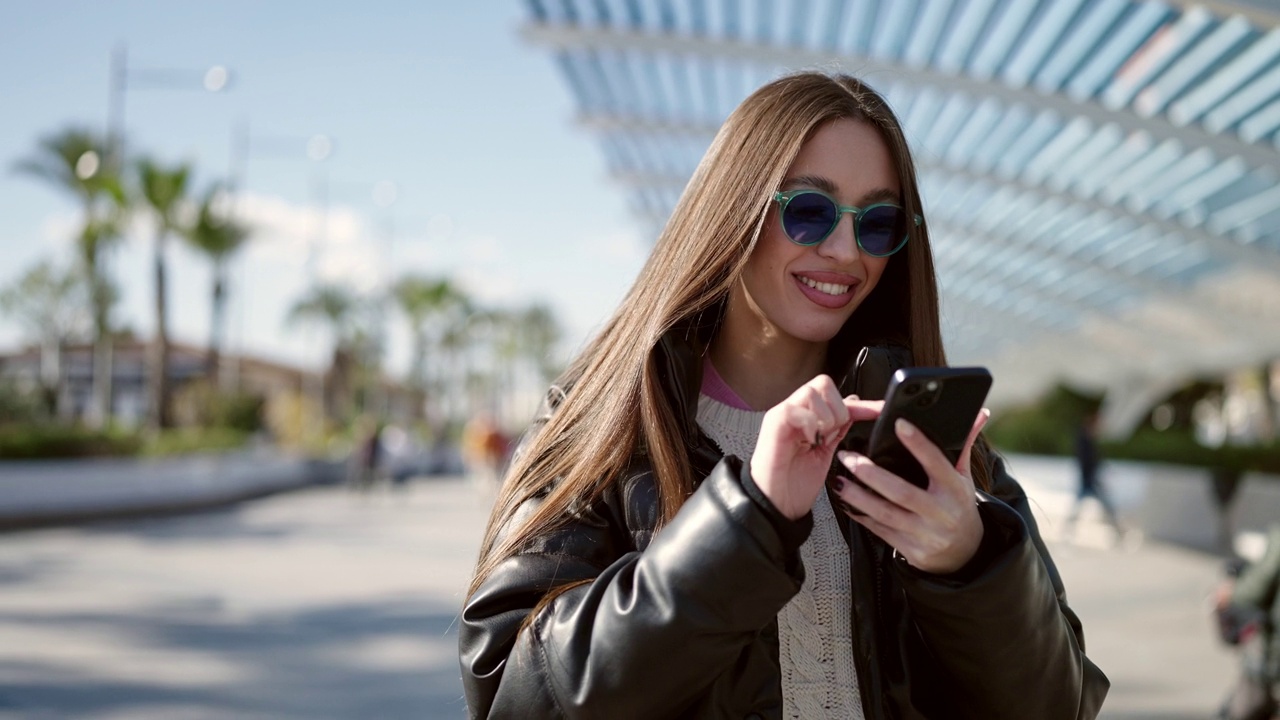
[904, 428]
[839, 483]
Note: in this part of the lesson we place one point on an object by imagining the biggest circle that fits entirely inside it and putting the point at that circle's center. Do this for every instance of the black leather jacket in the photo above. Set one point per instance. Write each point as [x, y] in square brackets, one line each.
[682, 622]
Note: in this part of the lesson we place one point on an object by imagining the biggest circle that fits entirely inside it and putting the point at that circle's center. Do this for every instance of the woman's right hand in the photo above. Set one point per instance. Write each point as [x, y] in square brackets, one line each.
[797, 440]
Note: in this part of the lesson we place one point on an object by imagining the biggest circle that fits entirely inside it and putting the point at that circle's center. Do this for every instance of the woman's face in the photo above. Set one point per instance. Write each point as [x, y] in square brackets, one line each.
[808, 292]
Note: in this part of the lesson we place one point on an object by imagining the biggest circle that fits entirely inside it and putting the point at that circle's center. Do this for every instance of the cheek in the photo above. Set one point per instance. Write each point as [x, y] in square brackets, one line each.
[875, 270]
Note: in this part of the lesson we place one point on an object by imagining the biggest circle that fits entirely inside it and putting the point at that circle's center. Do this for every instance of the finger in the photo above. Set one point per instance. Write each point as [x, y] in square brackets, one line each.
[935, 464]
[858, 502]
[801, 420]
[893, 537]
[816, 402]
[832, 400]
[860, 410]
[978, 423]
[888, 485]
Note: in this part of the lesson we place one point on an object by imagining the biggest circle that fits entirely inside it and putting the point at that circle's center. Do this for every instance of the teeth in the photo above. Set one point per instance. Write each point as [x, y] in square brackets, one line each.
[828, 288]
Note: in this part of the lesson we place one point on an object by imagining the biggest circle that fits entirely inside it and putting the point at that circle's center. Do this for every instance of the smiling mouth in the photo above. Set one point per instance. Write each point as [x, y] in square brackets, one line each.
[825, 288]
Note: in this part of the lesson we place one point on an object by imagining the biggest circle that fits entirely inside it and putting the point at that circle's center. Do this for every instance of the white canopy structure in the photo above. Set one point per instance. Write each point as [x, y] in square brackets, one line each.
[1099, 176]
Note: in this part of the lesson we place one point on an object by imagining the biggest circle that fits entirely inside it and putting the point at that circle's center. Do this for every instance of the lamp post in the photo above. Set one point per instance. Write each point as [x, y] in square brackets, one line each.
[123, 78]
[316, 149]
[120, 79]
[384, 194]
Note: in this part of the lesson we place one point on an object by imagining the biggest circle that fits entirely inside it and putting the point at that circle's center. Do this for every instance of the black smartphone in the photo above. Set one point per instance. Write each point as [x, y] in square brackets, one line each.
[942, 402]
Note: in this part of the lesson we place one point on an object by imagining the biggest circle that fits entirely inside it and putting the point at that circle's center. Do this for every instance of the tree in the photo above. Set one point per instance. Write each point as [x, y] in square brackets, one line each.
[539, 333]
[335, 309]
[50, 302]
[430, 305]
[73, 160]
[218, 238]
[165, 193]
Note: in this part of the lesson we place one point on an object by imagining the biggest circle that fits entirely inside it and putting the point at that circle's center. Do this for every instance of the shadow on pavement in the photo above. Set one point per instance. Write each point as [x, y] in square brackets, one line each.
[386, 659]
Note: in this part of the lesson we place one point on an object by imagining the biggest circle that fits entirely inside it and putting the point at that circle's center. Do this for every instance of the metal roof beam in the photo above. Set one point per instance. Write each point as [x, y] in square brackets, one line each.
[1222, 246]
[568, 37]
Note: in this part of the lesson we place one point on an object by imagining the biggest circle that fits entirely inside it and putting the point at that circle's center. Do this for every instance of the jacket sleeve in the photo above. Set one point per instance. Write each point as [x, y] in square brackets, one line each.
[700, 591]
[1004, 633]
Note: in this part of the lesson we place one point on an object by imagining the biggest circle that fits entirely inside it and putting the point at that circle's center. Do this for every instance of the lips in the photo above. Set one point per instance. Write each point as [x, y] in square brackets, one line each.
[827, 289]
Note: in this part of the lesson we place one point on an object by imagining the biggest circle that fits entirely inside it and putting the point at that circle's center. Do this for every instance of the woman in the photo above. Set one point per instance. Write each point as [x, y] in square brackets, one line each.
[663, 549]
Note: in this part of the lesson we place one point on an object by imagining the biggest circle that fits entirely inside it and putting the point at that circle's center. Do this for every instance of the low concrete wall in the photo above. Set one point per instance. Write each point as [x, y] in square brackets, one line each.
[1169, 503]
[40, 492]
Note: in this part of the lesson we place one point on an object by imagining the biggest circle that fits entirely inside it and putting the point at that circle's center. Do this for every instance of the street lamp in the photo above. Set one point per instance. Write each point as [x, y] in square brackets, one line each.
[315, 149]
[120, 79]
[216, 78]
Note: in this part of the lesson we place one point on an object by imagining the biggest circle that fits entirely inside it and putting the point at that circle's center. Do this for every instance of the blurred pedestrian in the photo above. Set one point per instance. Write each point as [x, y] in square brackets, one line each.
[484, 450]
[677, 535]
[367, 454]
[1252, 600]
[1088, 464]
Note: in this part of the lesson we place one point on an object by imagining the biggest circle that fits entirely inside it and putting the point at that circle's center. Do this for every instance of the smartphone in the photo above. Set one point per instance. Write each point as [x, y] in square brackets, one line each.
[942, 402]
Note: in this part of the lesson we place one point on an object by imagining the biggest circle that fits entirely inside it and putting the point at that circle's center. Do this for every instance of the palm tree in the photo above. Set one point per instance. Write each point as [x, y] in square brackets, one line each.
[427, 303]
[520, 339]
[539, 333]
[165, 192]
[74, 160]
[337, 310]
[50, 302]
[218, 238]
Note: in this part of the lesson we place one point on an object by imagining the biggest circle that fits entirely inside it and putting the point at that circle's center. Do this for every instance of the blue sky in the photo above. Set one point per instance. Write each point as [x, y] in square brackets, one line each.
[495, 185]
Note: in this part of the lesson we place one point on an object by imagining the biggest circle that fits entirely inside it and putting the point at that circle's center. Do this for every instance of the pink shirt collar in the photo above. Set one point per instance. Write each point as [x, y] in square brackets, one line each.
[714, 387]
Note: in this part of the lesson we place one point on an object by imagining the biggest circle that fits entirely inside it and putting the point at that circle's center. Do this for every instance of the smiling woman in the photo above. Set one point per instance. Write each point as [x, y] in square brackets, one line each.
[677, 536]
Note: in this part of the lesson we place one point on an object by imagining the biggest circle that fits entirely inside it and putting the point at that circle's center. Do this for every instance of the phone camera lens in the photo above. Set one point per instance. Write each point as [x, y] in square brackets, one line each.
[923, 402]
[911, 389]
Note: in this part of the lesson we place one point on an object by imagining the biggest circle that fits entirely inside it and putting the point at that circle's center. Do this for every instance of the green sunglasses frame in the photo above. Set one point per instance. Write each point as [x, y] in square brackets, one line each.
[784, 198]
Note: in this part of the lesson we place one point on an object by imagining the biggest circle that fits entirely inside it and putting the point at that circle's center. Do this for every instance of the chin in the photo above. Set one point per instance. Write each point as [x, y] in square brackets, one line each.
[823, 333]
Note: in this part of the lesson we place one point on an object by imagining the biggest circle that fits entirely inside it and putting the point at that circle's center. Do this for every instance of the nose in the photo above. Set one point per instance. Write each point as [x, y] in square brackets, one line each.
[841, 246]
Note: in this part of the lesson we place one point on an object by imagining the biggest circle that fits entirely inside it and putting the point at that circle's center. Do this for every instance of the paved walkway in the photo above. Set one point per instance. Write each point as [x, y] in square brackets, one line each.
[329, 604]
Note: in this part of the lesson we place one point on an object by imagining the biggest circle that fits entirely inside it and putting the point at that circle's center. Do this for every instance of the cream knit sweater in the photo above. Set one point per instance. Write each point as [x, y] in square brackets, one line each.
[815, 640]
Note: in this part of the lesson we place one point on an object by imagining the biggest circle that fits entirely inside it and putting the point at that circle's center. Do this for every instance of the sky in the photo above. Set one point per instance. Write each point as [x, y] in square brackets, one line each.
[495, 186]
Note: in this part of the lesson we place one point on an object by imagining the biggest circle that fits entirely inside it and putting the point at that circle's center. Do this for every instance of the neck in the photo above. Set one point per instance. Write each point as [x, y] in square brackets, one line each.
[762, 364]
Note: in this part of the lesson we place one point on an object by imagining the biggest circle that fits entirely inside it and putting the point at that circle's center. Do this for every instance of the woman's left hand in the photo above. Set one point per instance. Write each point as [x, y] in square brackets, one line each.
[936, 529]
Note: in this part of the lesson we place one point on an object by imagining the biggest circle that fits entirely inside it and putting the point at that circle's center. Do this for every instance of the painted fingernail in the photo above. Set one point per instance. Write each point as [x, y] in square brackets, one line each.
[839, 483]
[904, 428]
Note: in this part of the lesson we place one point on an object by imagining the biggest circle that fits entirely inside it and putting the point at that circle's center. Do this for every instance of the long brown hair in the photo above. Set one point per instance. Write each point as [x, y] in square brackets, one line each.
[617, 403]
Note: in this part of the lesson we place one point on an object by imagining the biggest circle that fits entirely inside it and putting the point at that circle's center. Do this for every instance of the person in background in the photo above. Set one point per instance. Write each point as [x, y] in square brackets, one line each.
[484, 451]
[1088, 462]
[1253, 598]
[367, 454]
[677, 536]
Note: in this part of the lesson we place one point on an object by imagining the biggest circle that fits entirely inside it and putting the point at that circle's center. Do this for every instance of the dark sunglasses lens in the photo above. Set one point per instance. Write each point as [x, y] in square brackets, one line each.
[808, 218]
[882, 229]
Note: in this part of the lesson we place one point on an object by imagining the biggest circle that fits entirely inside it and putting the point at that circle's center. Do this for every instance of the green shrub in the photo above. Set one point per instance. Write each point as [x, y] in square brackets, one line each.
[1049, 428]
[19, 406]
[29, 442]
[203, 405]
[193, 440]
[1032, 431]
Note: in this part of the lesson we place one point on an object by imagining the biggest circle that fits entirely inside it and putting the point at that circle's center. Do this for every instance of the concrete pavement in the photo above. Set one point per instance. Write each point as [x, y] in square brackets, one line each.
[332, 604]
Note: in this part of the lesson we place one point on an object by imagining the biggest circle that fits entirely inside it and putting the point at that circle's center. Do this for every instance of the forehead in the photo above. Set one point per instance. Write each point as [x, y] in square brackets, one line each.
[850, 155]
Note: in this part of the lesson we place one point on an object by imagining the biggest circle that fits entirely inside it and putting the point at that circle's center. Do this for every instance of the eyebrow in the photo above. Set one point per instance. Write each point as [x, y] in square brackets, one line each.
[825, 185]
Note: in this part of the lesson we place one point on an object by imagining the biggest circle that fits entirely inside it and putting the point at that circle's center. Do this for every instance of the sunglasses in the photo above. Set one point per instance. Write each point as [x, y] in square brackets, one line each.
[809, 216]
